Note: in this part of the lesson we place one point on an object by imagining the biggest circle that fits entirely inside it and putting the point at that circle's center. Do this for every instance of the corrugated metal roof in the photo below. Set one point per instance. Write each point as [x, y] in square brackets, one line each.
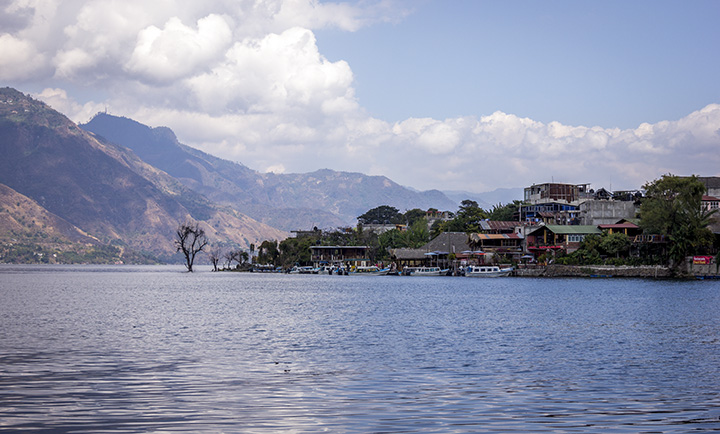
[627, 225]
[495, 237]
[572, 229]
[492, 225]
[449, 242]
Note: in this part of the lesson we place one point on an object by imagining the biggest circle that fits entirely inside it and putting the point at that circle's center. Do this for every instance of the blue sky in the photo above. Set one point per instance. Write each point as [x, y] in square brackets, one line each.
[448, 95]
[610, 63]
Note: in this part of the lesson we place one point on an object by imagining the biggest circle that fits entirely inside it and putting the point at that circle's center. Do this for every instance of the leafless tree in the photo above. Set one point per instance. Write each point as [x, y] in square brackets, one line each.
[191, 240]
[215, 255]
[232, 255]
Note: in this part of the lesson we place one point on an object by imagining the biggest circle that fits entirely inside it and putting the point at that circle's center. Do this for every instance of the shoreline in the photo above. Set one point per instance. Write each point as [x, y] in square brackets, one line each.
[691, 271]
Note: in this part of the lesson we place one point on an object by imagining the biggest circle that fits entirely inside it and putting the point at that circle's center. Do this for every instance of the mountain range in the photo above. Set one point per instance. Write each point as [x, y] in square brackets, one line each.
[117, 181]
[101, 189]
[324, 198]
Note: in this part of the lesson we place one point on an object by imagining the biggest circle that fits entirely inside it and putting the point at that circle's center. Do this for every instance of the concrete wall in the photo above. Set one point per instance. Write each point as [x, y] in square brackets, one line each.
[606, 212]
[556, 270]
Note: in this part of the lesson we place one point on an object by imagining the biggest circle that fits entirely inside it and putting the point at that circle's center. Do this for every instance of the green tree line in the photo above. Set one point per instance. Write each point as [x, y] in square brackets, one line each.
[414, 233]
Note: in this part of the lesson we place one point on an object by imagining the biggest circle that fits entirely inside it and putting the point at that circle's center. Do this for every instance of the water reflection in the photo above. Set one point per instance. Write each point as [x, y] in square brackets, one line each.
[162, 350]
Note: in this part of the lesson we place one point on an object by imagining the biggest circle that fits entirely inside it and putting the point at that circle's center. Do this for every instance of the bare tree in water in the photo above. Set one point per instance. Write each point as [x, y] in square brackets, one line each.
[191, 240]
[215, 254]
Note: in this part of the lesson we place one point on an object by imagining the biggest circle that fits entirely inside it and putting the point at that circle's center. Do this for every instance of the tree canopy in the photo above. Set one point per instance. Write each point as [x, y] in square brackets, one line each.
[673, 207]
[382, 215]
[505, 212]
[467, 219]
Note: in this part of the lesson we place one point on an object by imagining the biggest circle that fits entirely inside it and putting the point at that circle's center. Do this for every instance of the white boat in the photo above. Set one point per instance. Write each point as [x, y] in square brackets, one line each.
[372, 270]
[428, 271]
[324, 269]
[487, 271]
[302, 270]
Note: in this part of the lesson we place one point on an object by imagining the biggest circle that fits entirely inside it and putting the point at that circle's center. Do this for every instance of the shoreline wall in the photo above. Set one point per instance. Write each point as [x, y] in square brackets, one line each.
[556, 270]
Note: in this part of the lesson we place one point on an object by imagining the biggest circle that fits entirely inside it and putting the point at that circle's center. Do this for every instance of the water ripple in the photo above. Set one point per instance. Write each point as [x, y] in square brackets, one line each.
[157, 350]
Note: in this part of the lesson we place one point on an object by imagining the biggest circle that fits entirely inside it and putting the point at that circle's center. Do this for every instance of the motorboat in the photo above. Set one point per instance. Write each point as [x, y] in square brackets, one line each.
[487, 271]
[302, 270]
[427, 271]
[325, 269]
[372, 270]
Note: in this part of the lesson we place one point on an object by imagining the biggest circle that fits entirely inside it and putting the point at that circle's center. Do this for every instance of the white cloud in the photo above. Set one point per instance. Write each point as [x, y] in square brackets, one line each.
[177, 50]
[19, 60]
[278, 73]
[245, 80]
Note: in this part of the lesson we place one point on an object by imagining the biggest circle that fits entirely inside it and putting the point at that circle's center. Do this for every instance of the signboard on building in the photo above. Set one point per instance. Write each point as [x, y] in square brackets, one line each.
[702, 260]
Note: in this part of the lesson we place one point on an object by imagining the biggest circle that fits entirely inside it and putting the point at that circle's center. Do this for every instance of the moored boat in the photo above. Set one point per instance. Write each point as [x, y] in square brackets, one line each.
[302, 270]
[372, 270]
[325, 269]
[427, 271]
[487, 271]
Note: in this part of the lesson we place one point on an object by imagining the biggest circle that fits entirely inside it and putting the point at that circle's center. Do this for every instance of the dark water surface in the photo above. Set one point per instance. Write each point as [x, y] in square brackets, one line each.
[153, 349]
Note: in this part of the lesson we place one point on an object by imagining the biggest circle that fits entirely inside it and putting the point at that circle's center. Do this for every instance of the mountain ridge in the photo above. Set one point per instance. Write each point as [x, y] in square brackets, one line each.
[324, 198]
[104, 189]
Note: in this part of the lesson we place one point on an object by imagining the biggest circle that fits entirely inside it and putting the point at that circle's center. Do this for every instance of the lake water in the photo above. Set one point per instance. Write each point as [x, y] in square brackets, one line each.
[154, 349]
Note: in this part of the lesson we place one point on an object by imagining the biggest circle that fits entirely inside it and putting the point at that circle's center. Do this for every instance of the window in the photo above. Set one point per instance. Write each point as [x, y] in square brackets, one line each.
[575, 238]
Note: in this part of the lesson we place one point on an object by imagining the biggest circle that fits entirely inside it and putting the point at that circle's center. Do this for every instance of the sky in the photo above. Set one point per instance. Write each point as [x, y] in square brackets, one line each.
[466, 95]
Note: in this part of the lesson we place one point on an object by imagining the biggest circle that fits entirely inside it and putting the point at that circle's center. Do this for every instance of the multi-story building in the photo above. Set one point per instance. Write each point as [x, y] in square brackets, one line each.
[556, 192]
[554, 203]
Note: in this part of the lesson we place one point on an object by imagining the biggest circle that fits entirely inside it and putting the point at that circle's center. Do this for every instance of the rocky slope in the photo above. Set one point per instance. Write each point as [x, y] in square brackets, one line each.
[103, 189]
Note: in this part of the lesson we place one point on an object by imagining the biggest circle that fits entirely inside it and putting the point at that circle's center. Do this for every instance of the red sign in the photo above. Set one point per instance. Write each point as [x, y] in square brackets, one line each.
[704, 260]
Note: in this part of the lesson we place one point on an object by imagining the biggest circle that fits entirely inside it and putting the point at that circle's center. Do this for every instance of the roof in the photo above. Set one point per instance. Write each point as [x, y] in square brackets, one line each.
[491, 225]
[706, 198]
[450, 242]
[495, 237]
[626, 225]
[571, 229]
[405, 253]
[710, 181]
[339, 247]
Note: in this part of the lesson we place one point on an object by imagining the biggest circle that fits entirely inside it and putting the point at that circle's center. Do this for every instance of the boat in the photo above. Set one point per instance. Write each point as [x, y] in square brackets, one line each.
[487, 271]
[427, 271]
[371, 270]
[302, 270]
[325, 269]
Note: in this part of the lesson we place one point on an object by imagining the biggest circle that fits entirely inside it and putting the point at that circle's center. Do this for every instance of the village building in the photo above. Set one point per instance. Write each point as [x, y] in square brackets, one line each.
[440, 251]
[339, 255]
[712, 184]
[559, 237]
[557, 192]
[498, 227]
[624, 227]
[554, 203]
[433, 216]
[501, 237]
[502, 244]
[606, 211]
[710, 203]
[555, 213]
[577, 204]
